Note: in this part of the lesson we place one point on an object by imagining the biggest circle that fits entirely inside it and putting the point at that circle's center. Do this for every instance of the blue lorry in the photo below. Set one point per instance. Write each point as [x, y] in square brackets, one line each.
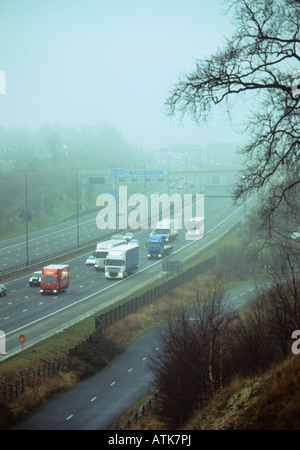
[157, 247]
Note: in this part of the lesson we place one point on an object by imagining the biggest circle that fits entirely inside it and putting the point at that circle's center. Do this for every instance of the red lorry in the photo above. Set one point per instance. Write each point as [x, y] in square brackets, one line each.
[55, 279]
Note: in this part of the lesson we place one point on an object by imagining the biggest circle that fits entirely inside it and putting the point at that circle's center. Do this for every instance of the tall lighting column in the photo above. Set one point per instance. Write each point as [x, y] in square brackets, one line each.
[26, 212]
[77, 208]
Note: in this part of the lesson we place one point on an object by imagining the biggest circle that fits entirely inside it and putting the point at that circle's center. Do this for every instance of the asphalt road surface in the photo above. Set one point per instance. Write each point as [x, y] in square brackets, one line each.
[25, 311]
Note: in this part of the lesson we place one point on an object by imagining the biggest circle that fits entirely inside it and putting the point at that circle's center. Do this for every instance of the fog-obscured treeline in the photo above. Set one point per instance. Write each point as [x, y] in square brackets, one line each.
[51, 155]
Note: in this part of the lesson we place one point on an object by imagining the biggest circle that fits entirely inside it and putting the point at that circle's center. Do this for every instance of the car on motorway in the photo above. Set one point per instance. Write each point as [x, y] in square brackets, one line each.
[117, 237]
[90, 260]
[134, 242]
[128, 236]
[35, 278]
[3, 290]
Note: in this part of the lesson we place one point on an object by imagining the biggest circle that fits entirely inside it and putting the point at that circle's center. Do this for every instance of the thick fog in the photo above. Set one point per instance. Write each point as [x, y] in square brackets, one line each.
[97, 62]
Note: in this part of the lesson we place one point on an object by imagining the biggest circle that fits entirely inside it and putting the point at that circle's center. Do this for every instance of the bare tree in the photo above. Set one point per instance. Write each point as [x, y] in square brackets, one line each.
[253, 349]
[260, 59]
[188, 367]
[284, 298]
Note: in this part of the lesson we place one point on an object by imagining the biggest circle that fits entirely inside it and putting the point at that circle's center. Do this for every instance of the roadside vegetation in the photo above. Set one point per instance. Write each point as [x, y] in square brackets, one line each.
[51, 156]
[228, 369]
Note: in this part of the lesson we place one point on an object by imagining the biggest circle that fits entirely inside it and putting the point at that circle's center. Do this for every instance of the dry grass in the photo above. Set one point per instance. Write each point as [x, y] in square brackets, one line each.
[279, 404]
[127, 330]
[268, 402]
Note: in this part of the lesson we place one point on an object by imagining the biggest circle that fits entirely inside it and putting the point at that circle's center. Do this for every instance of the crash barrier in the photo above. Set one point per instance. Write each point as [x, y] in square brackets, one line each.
[121, 311]
[35, 264]
[9, 392]
[147, 405]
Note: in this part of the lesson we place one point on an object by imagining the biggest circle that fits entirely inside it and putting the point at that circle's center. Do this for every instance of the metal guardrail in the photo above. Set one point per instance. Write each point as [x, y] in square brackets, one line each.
[35, 262]
[141, 410]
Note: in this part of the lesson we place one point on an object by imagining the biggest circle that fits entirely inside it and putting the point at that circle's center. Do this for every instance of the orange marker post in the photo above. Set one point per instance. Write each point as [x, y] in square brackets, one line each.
[22, 339]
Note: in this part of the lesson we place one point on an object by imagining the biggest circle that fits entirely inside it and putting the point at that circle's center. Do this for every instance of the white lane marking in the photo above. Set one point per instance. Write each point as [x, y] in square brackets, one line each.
[74, 303]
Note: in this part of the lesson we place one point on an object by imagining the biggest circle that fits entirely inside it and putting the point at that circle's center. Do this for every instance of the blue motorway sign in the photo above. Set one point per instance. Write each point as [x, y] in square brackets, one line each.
[117, 172]
[146, 172]
[113, 192]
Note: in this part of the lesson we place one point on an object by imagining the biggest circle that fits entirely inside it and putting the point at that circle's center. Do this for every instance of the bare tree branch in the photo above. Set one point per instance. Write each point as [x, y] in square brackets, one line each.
[259, 58]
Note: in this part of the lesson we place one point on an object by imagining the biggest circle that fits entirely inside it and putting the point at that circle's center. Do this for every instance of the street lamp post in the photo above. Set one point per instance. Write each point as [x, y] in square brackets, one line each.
[77, 209]
[77, 203]
[26, 212]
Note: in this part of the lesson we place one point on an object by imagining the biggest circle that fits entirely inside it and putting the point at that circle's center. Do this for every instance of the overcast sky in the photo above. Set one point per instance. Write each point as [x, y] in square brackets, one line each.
[95, 62]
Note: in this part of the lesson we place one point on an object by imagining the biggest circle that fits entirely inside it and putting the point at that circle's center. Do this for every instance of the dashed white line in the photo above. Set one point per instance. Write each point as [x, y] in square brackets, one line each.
[93, 399]
[112, 383]
[69, 417]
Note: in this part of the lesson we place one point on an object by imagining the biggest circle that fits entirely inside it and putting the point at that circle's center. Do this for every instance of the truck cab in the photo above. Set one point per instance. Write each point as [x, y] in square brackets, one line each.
[55, 278]
[167, 228]
[157, 247]
[122, 261]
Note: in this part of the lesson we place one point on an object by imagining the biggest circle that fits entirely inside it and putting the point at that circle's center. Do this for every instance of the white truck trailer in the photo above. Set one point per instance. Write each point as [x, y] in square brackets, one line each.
[122, 261]
[168, 228]
[102, 250]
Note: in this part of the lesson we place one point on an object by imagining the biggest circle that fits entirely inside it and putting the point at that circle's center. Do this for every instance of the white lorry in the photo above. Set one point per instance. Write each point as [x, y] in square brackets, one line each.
[122, 261]
[102, 250]
[195, 228]
[168, 228]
